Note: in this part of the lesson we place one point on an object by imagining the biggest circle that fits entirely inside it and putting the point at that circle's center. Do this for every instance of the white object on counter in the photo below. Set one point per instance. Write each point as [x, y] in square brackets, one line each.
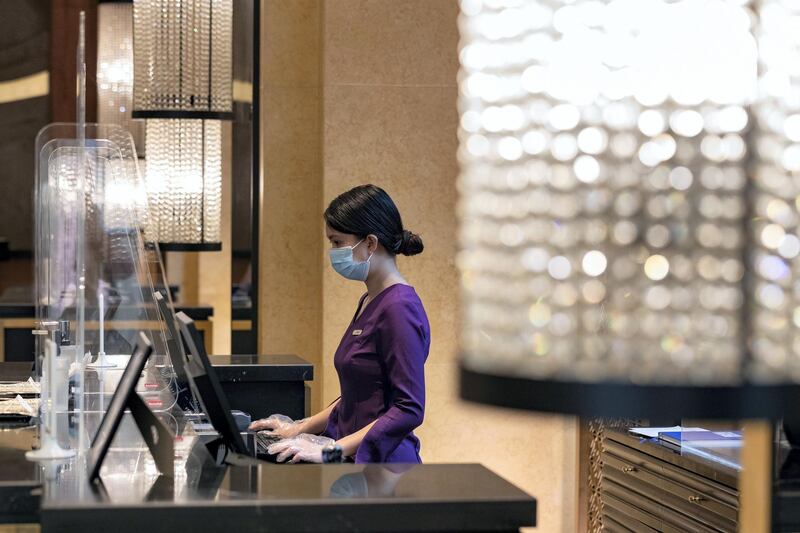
[102, 361]
[49, 448]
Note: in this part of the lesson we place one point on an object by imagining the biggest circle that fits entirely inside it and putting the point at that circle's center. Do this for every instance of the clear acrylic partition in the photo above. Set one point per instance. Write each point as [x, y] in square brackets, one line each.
[96, 272]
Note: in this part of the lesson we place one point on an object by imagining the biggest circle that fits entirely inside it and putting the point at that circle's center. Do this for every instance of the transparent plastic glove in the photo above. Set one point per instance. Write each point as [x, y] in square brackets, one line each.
[280, 426]
[304, 447]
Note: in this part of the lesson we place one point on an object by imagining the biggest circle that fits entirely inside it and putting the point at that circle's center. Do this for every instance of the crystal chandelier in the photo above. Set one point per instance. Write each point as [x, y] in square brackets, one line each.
[115, 68]
[629, 193]
[183, 87]
[179, 151]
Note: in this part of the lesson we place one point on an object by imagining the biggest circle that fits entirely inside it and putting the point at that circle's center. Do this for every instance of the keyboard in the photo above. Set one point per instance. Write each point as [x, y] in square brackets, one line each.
[263, 441]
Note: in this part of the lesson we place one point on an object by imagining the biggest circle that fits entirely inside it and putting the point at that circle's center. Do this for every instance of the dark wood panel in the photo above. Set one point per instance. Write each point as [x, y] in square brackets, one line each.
[624, 522]
[648, 486]
[612, 526]
[612, 503]
[63, 58]
[24, 52]
[669, 503]
[656, 508]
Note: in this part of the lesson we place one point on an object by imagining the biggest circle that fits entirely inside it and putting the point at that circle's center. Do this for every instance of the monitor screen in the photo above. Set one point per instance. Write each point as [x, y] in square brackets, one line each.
[185, 392]
[113, 417]
[174, 345]
[214, 402]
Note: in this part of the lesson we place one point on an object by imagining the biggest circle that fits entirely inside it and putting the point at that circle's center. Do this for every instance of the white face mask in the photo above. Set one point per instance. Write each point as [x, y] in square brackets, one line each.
[342, 262]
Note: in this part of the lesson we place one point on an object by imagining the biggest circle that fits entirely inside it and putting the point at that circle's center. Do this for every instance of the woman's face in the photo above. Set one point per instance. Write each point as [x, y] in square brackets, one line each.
[340, 240]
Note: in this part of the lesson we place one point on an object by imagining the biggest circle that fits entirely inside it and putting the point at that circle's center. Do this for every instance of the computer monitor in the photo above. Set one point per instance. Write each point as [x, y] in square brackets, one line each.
[174, 345]
[185, 393]
[210, 394]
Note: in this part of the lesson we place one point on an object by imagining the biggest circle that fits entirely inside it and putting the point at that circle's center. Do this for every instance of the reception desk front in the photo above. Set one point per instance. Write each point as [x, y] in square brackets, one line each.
[203, 496]
[267, 497]
[257, 496]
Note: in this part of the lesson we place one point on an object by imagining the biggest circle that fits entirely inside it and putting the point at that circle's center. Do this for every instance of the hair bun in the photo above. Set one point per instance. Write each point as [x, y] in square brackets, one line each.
[409, 243]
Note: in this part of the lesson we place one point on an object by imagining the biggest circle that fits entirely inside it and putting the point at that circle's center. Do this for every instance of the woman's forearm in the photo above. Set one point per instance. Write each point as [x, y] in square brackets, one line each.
[351, 442]
[316, 424]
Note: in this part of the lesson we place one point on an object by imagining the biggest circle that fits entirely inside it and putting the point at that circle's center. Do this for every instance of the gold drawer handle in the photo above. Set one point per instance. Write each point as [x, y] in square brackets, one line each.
[695, 499]
[628, 469]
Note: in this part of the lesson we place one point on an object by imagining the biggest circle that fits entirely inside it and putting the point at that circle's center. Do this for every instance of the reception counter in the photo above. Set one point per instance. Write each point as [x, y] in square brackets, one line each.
[255, 496]
[203, 496]
[265, 384]
[19, 478]
[267, 497]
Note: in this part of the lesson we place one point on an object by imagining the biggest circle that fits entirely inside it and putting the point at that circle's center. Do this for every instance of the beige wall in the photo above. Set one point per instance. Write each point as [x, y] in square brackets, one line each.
[387, 95]
[290, 318]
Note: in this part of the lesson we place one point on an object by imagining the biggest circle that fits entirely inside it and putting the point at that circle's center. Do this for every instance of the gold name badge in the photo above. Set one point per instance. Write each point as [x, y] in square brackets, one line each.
[357, 332]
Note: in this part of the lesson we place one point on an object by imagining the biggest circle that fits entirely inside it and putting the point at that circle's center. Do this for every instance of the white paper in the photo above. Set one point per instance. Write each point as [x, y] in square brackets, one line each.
[653, 432]
[25, 405]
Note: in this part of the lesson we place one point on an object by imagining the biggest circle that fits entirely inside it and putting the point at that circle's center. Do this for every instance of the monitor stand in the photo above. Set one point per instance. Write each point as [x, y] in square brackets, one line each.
[791, 428]
[224, 455]
[158, 438]
[155, 434]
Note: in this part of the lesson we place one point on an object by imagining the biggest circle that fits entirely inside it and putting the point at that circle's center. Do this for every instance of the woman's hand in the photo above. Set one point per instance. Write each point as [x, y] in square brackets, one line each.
[280, 426]
[304, 447]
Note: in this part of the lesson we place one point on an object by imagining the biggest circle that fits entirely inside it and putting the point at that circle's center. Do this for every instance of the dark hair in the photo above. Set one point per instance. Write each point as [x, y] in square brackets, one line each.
[367, 209]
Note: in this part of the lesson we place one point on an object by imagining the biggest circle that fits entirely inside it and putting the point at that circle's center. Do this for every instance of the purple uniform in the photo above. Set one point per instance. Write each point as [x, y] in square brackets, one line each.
[380, 362]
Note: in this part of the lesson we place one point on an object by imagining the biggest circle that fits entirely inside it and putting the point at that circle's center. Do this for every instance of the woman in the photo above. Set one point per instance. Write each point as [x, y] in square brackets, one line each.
[380, 359]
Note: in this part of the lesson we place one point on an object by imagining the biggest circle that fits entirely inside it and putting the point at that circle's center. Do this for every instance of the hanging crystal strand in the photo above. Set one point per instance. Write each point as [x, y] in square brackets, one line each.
[174, 173]
[212, 181]
[175, 157]
[203, 58]
[142, 30]
[155, 178]
[115, 70]
[188, 72]
[178, 215]
[195, 182]
[221, 66]
[176, 40]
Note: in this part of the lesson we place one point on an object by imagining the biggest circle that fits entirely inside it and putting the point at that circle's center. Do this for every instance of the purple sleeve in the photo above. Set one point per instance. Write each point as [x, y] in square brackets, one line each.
[403, 344]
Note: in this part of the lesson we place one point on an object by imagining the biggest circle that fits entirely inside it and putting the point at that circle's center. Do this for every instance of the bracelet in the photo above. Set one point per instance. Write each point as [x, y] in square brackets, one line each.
[332, 453]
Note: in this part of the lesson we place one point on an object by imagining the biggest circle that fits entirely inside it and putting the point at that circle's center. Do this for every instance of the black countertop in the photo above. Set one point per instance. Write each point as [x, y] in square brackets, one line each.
[203, 496]
[241, 368]
[18, 310]
[269, 497]
[19, 478]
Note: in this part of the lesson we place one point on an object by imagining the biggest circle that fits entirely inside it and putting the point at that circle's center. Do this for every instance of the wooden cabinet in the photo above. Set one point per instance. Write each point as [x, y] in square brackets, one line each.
[647, 486]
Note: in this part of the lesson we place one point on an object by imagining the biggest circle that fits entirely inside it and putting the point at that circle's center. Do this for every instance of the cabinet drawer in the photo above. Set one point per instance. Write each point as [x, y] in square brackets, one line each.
[722, 493]
[651, 512]
[690, 500]
[668, 502]
[627, 516]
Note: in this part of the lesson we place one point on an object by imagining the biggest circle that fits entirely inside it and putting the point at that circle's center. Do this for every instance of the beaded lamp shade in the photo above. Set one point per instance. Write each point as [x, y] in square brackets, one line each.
[115, 69]
[630, 172]
[182, 64]
[183, 87]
